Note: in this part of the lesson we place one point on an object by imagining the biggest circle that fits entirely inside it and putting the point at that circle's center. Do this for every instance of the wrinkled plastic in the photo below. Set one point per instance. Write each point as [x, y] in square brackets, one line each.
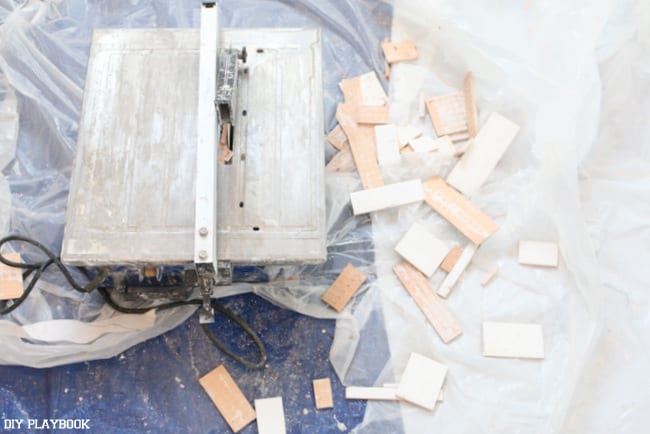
[8, 138]
[43, 52]
[574, 75]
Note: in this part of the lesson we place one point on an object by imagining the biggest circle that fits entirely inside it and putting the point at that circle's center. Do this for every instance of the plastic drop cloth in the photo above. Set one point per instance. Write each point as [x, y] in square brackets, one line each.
[572, 74]
[43, 53]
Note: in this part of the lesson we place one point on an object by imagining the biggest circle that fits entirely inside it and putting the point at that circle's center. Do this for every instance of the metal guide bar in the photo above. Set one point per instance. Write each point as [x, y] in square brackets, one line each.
[205, 240]
[205, 236]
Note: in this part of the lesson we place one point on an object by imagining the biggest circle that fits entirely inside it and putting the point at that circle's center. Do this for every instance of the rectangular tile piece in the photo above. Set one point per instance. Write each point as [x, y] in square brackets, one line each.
[387, 144]
[470, 105]
[11, 279]
[459, 137]
[488, 277]
[362, 144]
[323, 393]
[447, 147]
[338, 139]
[481, 158]
[371, 393]
[462, 148]
[368, 114]
[225, 154]
[441, 395]
[458, 210]
[388, 196]
[451, 259]
[228, 398]
[372, 93]
[448, 113]
[399, 51]
[426, 143]
[422, 249]
[421, 381]
[539, 253]
[341, 162]
[513, 340]
[422, 106]
[270, 416]
[434, 309]
[365, 90]
[346, 284]
[459, 267]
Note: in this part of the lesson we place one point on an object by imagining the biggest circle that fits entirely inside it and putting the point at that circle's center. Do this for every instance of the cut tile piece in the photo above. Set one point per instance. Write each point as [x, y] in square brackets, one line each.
[481, 158]
[388, 196]
[228, 398]
[407, 133]
[458, 210]
[346, 284]
[11, 279]
[422, 106]
[447, 147]
[455, 273]
[399, 51]
[462, 148]
[367, 114]
[488, 277]
[364, 90]
[539, 253]
[323, 393]
[341, 162]
[270, 416]
[371, 393]
[441, 395]
[362, 144]
[426, 143]
[513, 340]
[470, 105]
[421, 381]
[432, 306]
[351, 88]
[422, 249]
[225, 154]
[372, 93]
[448, 113]
[338, 139]
[459, 137]
[387, 145]
[451, 259]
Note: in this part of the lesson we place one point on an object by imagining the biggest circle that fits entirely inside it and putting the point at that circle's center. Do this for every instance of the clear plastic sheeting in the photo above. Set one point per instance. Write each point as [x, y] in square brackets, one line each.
[44, 49]
[573, 75]
[8, 137]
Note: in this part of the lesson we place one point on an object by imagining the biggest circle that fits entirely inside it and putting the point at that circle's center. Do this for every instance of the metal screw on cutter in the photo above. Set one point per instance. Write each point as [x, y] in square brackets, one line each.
[203, 254]
[203, 232]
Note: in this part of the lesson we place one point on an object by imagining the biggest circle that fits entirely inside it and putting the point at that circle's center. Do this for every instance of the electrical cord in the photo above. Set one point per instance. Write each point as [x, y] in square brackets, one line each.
[38, 268]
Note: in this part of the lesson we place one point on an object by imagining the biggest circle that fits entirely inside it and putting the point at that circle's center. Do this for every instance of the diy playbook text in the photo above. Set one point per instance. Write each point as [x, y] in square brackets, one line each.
[48, 424]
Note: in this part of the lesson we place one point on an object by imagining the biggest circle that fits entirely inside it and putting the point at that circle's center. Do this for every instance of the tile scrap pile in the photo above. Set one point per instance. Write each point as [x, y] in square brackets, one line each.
[367, 142]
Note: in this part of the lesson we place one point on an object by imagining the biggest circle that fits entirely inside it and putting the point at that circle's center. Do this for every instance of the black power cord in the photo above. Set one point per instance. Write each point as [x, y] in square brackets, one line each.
[38, 268]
